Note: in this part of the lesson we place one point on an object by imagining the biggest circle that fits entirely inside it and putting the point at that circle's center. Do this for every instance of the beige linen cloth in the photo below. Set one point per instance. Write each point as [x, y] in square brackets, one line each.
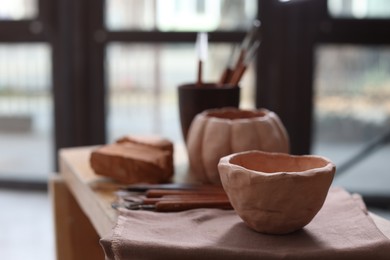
[341, 230]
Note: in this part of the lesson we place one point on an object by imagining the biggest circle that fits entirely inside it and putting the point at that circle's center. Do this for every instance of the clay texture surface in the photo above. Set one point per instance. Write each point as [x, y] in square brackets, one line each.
[276, 193]
[135, 159]
[218, 132]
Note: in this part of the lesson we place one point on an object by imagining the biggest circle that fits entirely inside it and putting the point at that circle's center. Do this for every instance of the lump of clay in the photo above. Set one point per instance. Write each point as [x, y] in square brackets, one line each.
[134, 159]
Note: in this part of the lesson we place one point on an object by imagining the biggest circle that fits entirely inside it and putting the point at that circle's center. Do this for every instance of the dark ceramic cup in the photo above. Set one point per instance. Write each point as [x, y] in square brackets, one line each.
[195, 99]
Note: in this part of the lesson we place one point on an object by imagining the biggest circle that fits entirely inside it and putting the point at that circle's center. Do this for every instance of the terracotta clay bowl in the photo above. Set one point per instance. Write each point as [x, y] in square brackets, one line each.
[215, 133]
[276, 193]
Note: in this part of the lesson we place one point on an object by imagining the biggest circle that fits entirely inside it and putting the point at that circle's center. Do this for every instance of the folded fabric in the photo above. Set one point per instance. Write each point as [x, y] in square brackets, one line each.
[341, 230]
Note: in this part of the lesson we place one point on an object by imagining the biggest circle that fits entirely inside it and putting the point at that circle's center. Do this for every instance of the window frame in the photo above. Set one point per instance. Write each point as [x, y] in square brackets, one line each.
[76, 32]
[291, 32]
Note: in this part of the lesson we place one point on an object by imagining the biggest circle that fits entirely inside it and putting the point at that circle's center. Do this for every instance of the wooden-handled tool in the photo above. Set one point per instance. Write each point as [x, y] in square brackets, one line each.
[186, 197]
[180, 205]
[172, 206]
[155, 193]
[233, 73]
[178, 202]
[143, 187]
[171, 197]
[227, 73]
[242, 66]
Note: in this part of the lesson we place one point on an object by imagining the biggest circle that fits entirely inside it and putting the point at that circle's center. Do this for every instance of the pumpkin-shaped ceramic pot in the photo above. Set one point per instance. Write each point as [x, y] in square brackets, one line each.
[276, 193]
[216, 133]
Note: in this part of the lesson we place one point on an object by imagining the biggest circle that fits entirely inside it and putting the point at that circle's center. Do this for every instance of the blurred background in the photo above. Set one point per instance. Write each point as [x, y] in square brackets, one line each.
[85, 72]
[141, 71]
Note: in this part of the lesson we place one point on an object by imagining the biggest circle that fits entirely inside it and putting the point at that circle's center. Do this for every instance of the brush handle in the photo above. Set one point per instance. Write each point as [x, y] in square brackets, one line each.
[199, 81]
[187, 197]
[159, 193]
[236, 77]
[164, 186]
[173, 206]
[225, 78]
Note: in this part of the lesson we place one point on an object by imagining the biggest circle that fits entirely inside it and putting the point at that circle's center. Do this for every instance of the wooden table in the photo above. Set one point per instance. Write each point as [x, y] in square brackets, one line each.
[82, 204]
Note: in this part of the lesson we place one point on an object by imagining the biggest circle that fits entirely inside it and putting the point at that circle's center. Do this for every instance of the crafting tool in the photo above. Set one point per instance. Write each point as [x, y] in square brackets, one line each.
[179, 202]
[239, 71]
[155, 193]
[185, 197]
[202, 51]
[227, 74]
[233, 73]
[180, 205]
[167, 186]
[247, 42]
[172, 197]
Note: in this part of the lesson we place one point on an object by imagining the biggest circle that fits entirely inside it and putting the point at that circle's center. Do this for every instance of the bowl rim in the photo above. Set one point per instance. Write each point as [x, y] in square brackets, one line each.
[266, 114]
[328, 167]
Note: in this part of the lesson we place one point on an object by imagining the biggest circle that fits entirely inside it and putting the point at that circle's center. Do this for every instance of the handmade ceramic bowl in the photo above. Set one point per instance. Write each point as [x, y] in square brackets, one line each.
[219, 132]
[276, 193]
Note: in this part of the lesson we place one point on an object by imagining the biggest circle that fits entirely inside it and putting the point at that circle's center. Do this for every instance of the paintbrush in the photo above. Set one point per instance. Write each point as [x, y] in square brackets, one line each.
[238, 72]
[201, 50]
[227, 73]
[247, 42]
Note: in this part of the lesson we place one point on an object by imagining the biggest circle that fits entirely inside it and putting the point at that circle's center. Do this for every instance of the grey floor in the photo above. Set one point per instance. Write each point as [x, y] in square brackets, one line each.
[26, 226]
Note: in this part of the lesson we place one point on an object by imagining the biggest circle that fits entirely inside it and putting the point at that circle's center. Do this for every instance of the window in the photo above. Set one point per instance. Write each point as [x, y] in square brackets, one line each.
[18, 9]
[352, 93]
[359, 9]
[176, 15]
[26, 108]
[130, 57]
[142, 77]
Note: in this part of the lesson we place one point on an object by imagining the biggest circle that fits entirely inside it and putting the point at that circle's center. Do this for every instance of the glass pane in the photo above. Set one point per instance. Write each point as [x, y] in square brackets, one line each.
[352, 111]
[143, 81]
[359, 8]
[18, 9]
[25, 110]
[180, 15]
